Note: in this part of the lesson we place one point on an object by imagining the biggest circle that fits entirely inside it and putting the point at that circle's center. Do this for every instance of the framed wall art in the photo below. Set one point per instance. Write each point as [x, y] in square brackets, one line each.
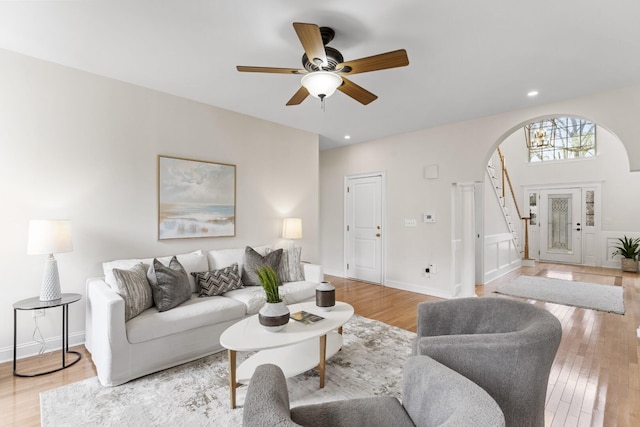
[195, 199]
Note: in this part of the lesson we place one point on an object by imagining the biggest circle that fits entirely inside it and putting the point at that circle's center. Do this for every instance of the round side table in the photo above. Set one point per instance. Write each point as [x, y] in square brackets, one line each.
[35, 304]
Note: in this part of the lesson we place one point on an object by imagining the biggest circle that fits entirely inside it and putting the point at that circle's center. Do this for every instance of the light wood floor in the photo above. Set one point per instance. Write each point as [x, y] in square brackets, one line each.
[595, 379]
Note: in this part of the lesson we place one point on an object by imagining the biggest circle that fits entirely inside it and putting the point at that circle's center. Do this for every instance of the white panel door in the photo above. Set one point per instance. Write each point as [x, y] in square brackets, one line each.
[560, 225]
[364, 229]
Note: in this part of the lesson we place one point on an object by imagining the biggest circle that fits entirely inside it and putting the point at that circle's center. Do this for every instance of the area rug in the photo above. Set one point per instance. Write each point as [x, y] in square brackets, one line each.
[197, 393]
[578, 294]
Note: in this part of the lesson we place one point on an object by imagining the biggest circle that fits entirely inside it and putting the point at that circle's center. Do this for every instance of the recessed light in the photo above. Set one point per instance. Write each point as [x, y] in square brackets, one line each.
[532, 93]
[347, 137]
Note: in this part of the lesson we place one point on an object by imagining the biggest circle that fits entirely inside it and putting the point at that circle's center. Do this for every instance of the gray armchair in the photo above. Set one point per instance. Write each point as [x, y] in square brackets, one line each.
[505, 346]
[433, 395]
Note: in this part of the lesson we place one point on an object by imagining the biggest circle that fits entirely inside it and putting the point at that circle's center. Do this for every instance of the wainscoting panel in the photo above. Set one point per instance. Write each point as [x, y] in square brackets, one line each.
[609, 240]
[500, 256]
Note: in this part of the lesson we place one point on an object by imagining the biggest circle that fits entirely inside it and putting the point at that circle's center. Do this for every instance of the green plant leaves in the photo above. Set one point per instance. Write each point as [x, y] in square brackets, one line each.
[269, 280]
[628, 248]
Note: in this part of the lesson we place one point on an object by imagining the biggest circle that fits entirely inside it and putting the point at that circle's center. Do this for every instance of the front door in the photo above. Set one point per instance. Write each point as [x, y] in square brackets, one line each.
[364, 228]
[559, 216]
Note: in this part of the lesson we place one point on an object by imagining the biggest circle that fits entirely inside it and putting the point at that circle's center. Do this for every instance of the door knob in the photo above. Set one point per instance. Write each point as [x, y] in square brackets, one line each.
[377, 234]
[577, 229]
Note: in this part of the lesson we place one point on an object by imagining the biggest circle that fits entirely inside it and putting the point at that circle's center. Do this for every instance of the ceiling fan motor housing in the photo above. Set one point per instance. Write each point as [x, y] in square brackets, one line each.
[334, 57]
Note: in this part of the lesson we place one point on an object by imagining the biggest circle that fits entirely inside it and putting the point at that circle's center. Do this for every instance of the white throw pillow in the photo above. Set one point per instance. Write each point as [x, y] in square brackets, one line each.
[222, 258]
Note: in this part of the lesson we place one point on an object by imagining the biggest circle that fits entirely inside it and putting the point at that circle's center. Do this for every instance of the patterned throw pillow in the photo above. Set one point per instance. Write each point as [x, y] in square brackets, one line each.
[217, 282]
[290, 269]
[253, 261]
[133, 287]
[170, 284]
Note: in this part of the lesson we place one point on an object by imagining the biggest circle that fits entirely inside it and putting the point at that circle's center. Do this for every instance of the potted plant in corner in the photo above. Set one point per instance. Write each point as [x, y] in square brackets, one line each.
[274, 315]
[629, 249]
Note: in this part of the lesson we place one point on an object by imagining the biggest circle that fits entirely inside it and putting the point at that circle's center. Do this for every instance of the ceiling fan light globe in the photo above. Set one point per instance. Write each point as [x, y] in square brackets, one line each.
[321, 84]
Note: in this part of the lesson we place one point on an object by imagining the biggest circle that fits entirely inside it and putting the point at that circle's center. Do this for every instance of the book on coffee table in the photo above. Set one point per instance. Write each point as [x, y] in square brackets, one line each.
[306, 317]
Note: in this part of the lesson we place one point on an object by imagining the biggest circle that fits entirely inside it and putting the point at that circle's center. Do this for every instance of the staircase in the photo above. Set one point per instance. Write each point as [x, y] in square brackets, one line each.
[501, 183]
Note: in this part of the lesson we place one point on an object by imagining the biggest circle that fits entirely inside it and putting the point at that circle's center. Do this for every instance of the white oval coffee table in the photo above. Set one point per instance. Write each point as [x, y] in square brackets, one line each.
[294, 349]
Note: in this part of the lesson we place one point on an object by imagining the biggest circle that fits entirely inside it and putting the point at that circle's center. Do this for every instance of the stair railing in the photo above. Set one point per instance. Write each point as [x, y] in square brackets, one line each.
[505, 176]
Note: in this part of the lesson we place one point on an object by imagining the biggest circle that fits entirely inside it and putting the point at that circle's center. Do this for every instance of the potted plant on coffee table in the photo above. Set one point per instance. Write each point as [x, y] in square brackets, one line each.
[629, 249]
[274, 315]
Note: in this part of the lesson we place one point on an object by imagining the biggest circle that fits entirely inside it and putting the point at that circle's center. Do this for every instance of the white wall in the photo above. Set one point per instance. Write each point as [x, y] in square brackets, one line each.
[620, 202]
[79, 146]
[461, 150]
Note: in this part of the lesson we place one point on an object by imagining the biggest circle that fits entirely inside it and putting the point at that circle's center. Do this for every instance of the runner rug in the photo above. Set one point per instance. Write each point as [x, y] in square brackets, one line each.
[578, 294]
[197, 393]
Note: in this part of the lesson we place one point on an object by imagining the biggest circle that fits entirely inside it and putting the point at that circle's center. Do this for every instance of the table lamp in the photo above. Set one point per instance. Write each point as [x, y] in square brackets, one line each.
[49, 237]
[292, 229]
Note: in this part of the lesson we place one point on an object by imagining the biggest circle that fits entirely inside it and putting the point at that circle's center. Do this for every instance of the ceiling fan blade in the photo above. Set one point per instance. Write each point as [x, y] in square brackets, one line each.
[299, 96]
[270, 70]
[311, 39]
[356, 92]
[397, 58]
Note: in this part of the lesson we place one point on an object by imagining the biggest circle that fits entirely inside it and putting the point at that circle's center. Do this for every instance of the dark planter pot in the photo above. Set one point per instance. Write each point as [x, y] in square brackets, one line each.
[274, 316]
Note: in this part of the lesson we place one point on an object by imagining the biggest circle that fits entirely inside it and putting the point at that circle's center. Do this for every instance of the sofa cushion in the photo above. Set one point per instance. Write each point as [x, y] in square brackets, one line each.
[295, 292]
[170, 284]
[217, 282]
[253, 261]
[192, 314]
[253, 297]
[192, 262]
[132, 285]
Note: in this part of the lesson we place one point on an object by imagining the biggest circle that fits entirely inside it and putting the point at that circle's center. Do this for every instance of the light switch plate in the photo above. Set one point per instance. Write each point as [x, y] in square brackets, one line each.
[410, 223]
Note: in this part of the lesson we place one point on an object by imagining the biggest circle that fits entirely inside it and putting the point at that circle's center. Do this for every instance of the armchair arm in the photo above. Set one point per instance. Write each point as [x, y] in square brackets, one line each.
[267, 401]
[313, 272]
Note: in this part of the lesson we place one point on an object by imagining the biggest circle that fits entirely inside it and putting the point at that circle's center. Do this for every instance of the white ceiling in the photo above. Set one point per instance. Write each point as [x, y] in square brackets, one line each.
[467, 58]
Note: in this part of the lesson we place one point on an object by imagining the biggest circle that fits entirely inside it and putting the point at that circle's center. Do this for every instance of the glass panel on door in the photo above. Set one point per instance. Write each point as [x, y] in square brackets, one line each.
[559, 223]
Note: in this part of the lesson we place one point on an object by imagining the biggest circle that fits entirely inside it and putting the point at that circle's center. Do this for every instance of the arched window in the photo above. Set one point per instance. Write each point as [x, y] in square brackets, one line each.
[560, 138]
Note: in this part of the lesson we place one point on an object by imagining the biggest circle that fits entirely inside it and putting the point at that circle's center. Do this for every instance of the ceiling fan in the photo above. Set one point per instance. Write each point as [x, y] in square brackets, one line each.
[325, 68]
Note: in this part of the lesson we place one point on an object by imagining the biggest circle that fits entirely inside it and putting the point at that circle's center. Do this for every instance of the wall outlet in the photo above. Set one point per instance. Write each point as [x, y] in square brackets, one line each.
[37, 313]
[433, 269]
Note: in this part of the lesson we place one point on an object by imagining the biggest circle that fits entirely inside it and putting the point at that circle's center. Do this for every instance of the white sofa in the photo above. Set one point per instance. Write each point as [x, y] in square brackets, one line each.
[153, 340]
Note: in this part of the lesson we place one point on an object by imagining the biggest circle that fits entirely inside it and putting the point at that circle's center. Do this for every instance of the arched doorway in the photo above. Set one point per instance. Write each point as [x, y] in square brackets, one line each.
[596, 180]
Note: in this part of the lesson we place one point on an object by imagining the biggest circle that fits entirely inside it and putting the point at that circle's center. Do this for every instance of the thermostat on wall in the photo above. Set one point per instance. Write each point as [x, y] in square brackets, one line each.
[428, 217]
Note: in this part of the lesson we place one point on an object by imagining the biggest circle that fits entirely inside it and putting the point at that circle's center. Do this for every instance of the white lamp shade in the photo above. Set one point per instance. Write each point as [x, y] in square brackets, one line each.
[49, 237]
[292, 228]
[321, 83]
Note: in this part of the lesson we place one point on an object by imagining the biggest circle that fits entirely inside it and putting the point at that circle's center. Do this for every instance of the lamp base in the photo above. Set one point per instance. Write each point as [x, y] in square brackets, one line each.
[50, 289]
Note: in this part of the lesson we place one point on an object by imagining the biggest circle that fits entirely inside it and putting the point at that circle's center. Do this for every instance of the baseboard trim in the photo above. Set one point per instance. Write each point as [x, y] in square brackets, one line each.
[33, 348]
[418, 289]
[334, 273]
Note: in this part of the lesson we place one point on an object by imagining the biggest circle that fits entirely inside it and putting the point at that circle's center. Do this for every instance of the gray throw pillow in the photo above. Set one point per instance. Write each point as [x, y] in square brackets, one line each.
[253, 261]
[170, 284]
[290, 269]
[217, 282]
[133, 287]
